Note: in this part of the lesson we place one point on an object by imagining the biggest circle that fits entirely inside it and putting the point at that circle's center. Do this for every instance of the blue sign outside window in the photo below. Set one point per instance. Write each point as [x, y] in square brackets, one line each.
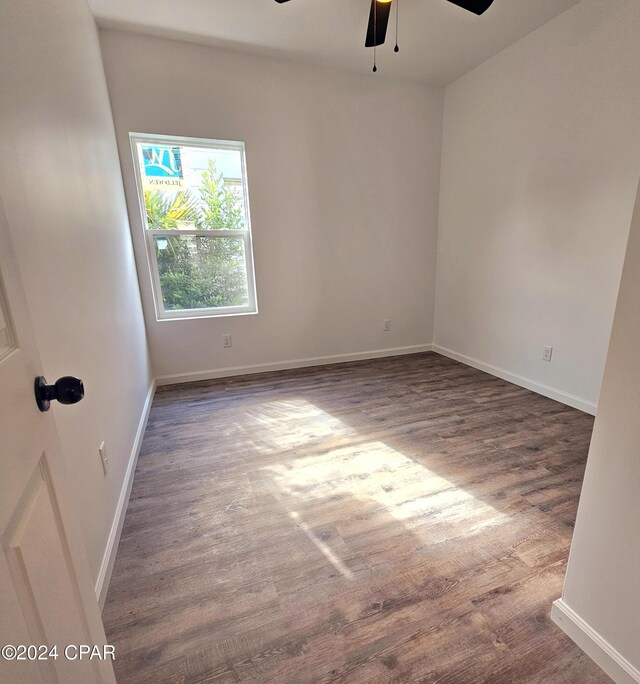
[163, 162]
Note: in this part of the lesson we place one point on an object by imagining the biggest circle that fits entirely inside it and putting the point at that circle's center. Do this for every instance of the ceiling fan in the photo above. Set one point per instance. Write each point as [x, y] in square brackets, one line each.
[380, 10]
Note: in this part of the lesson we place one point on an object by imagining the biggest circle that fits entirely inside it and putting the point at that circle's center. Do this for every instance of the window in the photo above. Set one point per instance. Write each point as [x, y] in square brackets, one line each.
[195, 209]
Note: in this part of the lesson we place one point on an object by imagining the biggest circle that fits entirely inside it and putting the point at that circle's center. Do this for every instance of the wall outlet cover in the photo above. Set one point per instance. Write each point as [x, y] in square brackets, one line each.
[104, 458]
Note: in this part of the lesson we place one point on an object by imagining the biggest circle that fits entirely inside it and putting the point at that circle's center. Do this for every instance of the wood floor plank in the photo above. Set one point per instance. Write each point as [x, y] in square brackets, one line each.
[393, 520]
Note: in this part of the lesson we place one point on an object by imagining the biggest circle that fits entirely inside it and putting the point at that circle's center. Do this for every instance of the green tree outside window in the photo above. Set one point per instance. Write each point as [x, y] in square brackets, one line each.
[199, 272]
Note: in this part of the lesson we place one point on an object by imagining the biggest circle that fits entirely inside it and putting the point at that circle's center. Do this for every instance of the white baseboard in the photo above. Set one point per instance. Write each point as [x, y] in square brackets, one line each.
[527, 383]
[594, 645]
[109, 557]
[285, 365]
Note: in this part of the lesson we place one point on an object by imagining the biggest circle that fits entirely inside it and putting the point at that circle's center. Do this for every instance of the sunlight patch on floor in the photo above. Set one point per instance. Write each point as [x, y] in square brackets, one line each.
[324, 548]
[373, 472]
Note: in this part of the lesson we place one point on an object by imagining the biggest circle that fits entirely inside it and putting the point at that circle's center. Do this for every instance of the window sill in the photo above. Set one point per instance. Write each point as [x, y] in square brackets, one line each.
[199, 317]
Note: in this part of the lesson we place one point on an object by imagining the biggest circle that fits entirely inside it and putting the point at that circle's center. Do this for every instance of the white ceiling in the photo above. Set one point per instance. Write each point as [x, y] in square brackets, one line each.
[438, 41]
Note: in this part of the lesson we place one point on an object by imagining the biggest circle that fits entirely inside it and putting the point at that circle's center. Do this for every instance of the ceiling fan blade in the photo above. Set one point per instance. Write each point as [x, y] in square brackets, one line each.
[475, 6]
[281, 1]
[378, 16]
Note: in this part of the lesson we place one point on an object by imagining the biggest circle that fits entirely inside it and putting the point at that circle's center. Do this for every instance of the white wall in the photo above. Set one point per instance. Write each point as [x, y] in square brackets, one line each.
[541, 155]
[343, 177]
[63, 196]
[602, 585]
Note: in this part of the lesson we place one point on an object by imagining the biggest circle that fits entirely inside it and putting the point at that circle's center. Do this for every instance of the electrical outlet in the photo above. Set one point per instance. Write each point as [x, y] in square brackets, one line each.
[387, 324]
[104, 458]
[547, 353]
[226, 341]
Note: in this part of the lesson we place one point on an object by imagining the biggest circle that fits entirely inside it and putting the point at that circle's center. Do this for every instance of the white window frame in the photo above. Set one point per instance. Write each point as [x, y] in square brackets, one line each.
[163, 314]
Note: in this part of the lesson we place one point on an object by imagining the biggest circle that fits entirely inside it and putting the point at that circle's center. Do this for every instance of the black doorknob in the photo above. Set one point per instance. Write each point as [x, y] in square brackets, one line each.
[67, 390]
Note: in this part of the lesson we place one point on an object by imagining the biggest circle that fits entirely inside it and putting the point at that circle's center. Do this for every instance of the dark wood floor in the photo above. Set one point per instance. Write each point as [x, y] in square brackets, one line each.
[395, 520]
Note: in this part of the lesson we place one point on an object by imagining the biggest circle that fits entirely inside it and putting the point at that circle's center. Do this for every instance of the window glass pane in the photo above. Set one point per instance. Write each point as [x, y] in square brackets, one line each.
[192, 188]
[201, 272]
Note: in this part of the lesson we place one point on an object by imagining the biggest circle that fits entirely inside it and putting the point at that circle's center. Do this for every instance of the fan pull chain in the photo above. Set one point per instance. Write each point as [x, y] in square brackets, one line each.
[375, 33]
[396, 48]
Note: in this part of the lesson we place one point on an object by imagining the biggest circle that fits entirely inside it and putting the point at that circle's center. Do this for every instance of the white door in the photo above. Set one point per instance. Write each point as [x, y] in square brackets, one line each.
[46, 596]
